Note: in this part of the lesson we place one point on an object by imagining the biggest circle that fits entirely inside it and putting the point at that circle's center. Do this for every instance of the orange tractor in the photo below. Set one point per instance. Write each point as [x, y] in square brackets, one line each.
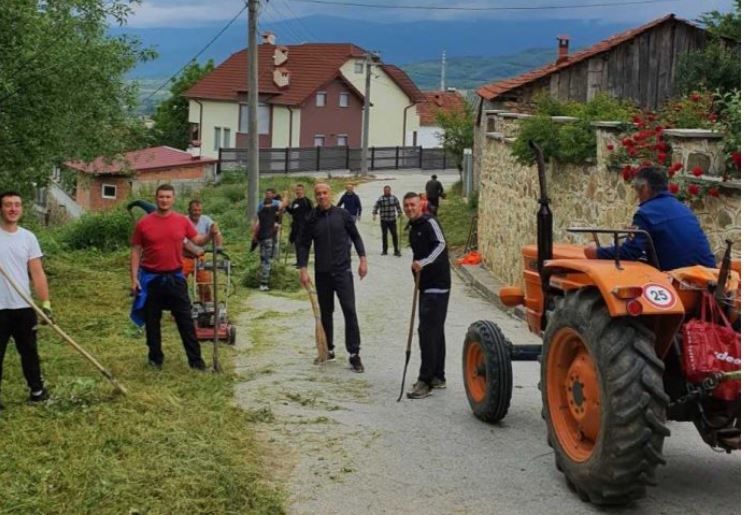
[614, 363]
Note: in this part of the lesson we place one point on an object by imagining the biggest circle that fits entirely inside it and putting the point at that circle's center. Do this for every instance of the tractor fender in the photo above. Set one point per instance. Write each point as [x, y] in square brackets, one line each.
[663, 311]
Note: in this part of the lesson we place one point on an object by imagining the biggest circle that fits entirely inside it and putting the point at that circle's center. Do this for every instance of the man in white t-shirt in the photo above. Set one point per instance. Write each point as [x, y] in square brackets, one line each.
[192, 253]
[20, 257]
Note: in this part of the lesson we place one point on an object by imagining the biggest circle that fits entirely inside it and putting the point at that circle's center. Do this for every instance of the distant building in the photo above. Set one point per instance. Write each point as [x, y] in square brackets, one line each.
[309, 95]
[429, 132]
[102, 184]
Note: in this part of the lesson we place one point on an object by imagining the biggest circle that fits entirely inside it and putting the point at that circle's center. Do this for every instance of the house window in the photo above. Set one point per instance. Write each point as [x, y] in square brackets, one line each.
[320, 99]
[342, 140]
[358, 66]
[217, 137]
[343, 99]
[108, 191]
[264, 118]
[226, 137]
[319, 140]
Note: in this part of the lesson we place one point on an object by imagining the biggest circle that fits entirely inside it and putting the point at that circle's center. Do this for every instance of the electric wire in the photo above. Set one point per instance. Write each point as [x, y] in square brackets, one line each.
[481, 9]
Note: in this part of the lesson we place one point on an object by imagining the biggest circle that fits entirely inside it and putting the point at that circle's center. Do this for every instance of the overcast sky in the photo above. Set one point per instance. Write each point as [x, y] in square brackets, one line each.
[189, 13]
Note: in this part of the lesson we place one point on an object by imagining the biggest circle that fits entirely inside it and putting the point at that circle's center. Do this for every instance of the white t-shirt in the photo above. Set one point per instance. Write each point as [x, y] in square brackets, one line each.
[16, 250]
[203, 225]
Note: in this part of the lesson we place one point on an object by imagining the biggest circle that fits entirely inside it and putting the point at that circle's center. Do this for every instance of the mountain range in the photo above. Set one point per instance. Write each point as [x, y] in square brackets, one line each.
[419, 44]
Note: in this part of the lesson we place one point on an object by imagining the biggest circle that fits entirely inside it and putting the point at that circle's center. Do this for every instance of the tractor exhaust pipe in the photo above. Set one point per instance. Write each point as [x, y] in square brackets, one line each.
[544, 228]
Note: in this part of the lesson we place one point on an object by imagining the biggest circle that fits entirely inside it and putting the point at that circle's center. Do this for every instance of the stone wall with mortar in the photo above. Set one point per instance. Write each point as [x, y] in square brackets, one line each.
[588, 195]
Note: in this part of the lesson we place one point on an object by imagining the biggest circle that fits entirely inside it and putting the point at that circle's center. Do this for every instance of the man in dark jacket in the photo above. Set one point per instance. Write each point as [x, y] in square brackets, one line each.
[675, 230]
[350, 201]
[434, 191]
[333, 230]
[430, 261]
[299, 209]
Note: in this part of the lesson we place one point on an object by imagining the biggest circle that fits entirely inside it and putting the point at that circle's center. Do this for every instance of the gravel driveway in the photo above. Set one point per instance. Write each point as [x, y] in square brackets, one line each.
[341, 444]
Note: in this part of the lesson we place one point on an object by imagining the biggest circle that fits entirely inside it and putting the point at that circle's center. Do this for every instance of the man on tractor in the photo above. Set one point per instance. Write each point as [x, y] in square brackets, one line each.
[675, 230]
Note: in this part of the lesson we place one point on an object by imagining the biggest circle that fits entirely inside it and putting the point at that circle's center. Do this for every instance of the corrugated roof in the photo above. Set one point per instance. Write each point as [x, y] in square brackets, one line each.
[438, 100]
[496, 89]
[139, 161]
[311, 65]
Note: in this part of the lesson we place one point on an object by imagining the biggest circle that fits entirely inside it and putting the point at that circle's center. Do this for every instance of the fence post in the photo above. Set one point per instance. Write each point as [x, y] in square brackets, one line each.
[317, 158]
[444, 160]
[219, 162]
[467, 165]
[372, 167]
[421, 157]
[347, 157]
[286, 160]
[397, 148]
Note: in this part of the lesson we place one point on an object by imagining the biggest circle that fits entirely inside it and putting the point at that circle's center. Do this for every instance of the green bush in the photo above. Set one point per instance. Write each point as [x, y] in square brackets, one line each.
[106, 231]
[283, 277]
[542, 130]
[714, 67]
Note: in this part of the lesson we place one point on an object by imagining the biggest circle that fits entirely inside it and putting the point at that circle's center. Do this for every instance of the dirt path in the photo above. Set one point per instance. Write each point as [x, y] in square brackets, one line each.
[341, 444]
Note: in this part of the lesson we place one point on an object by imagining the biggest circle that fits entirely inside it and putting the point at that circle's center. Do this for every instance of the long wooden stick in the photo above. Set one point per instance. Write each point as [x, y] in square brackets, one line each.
[108, 375]
[215, 336]
[410, 334]
[321, 342]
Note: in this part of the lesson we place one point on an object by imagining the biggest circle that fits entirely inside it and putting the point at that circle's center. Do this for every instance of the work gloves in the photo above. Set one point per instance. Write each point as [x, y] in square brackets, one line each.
[46, 307]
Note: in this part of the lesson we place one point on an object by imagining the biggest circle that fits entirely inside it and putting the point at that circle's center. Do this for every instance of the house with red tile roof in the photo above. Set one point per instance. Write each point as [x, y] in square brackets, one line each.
[310, 94]
[104, 183]
[429, 131]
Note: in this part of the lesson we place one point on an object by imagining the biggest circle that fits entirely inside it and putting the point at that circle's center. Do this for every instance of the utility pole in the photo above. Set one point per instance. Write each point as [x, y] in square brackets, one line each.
[443, 75]
[365, 115]
[252, 94]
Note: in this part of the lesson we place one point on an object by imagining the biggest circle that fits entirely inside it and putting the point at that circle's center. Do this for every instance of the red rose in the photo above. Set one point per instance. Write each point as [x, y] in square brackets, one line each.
[713, 192]
[695, 97]
[676, 167]
[637, 136]
[658, 128]
[661, 147]
[627, 142]
[661, 156]
[627, 173]
[673, 188]
[697, 171]
[632, 152]
[712, 117]
[693, 189]
[610, 147]
[651, 118]
[736, 158]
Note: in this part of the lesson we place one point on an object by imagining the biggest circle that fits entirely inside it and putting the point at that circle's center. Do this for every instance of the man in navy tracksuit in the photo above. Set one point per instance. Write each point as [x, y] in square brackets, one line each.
[333, 230]
[675, 230]
[430, 261]
[350, 201]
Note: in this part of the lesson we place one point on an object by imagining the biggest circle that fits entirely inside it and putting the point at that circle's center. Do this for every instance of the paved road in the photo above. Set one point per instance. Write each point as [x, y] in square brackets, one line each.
[341, 444]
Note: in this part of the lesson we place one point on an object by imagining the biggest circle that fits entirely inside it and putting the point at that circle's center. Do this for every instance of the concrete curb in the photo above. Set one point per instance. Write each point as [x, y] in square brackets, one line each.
[480, 279]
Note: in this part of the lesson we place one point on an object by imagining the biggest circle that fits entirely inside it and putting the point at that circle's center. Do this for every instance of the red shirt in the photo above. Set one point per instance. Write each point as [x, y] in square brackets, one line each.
[161, 238]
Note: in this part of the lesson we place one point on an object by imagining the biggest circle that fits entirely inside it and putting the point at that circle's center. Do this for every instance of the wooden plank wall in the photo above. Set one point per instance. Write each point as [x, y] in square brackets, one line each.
[641, 70]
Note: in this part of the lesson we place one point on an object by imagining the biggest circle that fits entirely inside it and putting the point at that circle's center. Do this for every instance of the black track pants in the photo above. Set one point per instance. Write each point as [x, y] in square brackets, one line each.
[392, 226]
[432, 314]
[342, 284]
[20, 324]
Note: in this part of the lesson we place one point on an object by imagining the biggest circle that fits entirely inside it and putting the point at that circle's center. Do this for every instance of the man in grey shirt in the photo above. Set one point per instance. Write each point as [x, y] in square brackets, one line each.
[192, 253]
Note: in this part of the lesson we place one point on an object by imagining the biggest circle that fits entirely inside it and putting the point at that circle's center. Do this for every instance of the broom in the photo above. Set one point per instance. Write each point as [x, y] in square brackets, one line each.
[320, 337]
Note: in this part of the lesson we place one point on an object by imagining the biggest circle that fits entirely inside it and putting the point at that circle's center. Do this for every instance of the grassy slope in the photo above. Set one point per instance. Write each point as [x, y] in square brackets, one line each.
[455, 215]
[176, 444]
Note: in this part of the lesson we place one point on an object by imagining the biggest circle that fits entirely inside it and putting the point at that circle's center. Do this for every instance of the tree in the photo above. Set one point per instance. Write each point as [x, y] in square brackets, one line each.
[62, 90]
[172, 115]
[457, 130]
[718, 65]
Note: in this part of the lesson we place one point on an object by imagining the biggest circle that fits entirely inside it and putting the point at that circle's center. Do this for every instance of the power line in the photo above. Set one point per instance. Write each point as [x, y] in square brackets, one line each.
[200, 52]
[504, 8]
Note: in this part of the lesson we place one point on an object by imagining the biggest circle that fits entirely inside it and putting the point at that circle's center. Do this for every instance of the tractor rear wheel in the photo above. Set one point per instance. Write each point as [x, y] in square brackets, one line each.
[487, 371]
[603, 400]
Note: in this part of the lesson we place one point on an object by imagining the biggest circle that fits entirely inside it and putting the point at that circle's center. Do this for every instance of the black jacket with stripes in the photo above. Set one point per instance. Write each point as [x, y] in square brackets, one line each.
[430, 249]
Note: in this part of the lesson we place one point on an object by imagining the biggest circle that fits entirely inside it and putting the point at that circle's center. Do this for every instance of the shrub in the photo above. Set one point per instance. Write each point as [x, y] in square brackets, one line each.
[283, 277]
[103, 231]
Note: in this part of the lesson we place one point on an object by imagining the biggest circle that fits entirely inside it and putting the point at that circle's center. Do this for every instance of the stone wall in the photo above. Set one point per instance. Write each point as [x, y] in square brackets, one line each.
[589, 195]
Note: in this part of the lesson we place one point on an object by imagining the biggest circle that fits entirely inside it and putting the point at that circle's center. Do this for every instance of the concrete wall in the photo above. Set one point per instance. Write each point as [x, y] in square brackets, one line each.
[388, 106]
[215, 114]
[590, 195]
[281, 125]
[426, 136]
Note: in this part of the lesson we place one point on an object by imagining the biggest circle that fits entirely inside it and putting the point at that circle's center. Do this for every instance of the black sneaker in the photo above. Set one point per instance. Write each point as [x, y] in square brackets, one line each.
[397, 253]
[154, 364]
[439, 384]
[384, 253]
[201, 367]
[420, 390]
[356, 363]
[331, 356]
[39, 396]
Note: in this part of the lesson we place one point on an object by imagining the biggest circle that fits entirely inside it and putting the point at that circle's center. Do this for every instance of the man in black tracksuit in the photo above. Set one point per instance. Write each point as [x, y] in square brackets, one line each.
[299, 208]
[333, 230]
[430, 261]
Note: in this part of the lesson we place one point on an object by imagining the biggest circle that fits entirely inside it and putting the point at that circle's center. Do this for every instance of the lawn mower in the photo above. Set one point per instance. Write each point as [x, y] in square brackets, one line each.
[204, 285]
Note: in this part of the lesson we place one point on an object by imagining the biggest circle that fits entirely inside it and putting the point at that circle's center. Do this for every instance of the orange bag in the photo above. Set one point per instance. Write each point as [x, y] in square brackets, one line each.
[471, 258]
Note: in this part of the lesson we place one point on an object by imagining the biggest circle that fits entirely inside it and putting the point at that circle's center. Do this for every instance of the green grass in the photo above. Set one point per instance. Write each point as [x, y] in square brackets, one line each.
[455, 215]
[176, 444]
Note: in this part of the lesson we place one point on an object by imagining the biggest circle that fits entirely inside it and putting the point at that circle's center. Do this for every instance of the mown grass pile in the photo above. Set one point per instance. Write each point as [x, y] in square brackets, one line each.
[176, 443]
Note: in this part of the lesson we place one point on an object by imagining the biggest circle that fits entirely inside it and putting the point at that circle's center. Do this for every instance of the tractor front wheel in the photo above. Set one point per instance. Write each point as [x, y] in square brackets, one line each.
[487, 371]
[603, 400]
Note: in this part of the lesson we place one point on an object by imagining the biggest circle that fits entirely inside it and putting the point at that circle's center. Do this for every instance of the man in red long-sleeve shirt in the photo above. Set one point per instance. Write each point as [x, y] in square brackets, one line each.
[158, 282]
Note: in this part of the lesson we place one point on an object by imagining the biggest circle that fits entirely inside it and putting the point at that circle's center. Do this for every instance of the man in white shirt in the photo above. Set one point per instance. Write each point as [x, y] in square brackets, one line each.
[20, 257]
[192, 253]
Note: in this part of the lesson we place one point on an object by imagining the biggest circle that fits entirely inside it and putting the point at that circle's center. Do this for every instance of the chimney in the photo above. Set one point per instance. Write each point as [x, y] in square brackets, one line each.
[281, 77]
[268, 38]
[562, 48]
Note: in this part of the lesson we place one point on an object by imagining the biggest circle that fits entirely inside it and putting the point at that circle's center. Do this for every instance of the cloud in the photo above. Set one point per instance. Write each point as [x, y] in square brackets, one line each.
[193, 13]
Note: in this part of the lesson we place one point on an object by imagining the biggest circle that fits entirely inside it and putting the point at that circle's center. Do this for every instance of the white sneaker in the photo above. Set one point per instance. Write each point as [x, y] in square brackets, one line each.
[263, 287]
